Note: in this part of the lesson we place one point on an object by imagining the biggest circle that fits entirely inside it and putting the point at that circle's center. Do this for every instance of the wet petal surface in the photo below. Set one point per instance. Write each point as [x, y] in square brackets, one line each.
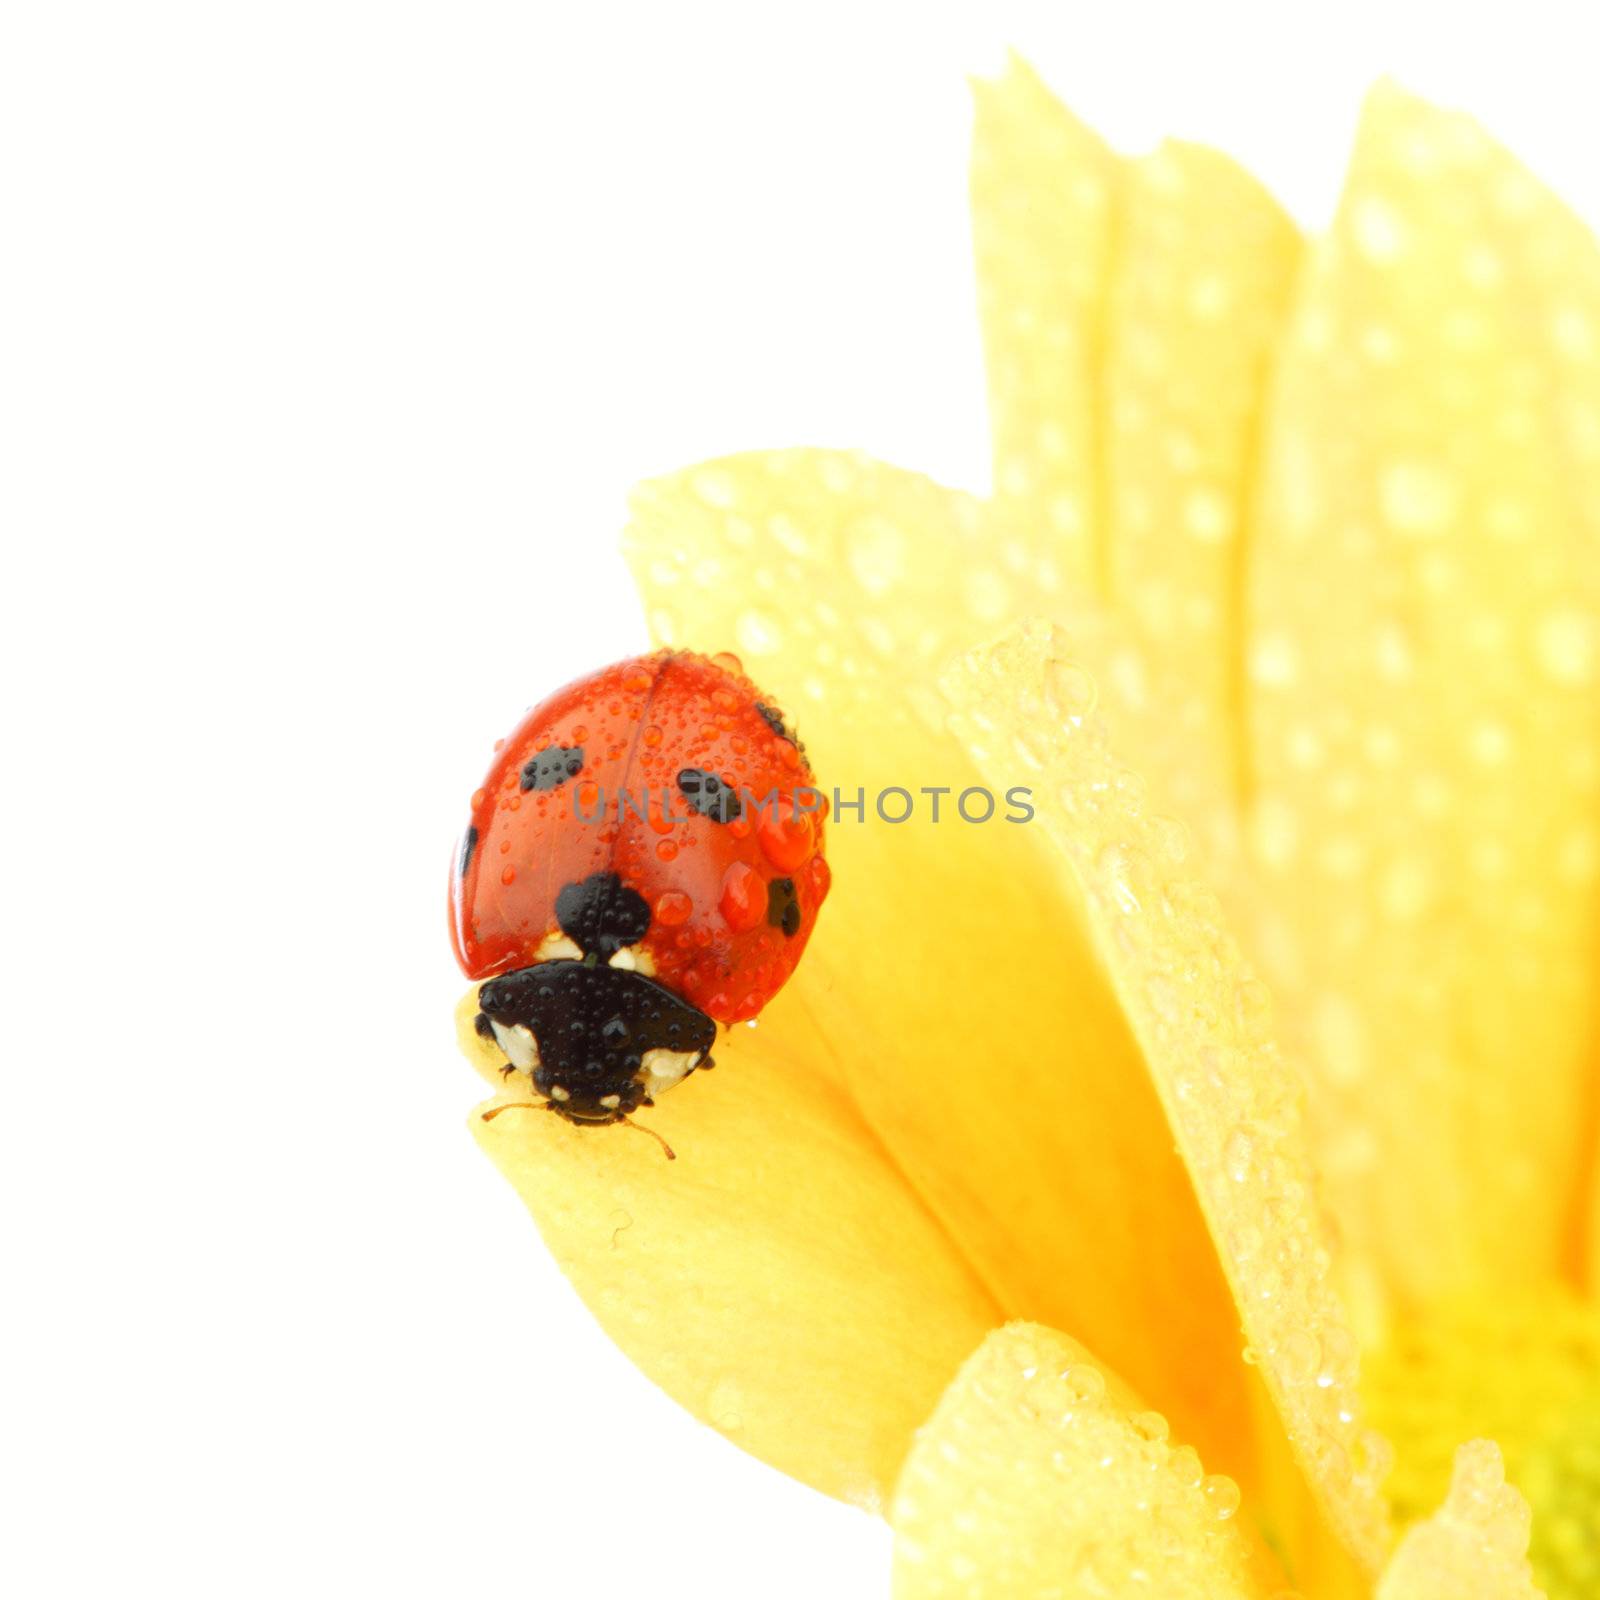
[1424, 703]
[1040, 1475]
[1203, 1022]
[951, 969]
[1045, 191]
[779, 1278]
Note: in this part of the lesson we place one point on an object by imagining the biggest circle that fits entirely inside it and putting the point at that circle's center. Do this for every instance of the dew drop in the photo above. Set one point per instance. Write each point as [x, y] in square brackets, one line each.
[1274, 662]
[1567, 646]
[1573, 333]
[1208, 516]
[673, 908]
[1379, 232]
[1418, 497]
[1252, 1005]
[1372, 1455]
[1169, 840]
[1149, 1425]
[1087, 1383]
[1124, 871]
[876, 551]
[1222, 1495]
[1209, 297]
[1236, 1155]
[1069, 691]
[987, 596]
[714, 488]
[1299, 1353]
[758, 632]
[1338, 1355]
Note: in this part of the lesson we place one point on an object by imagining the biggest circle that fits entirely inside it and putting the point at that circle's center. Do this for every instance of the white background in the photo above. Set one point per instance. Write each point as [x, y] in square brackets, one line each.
[332, 338]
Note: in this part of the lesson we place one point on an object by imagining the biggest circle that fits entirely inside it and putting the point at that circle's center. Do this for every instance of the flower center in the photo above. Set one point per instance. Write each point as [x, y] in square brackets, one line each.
[1525, 1373]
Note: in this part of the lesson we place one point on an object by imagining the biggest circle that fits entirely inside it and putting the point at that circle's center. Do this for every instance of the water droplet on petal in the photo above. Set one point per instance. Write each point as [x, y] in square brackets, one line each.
[1087, 1383]
[1236, 1154]
[1069, 691]
[1125, 874]
[1149, 1425]
[1222, 1495]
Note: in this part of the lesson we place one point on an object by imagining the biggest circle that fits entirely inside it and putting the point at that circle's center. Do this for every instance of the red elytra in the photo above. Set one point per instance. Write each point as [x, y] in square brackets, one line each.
[674, 772]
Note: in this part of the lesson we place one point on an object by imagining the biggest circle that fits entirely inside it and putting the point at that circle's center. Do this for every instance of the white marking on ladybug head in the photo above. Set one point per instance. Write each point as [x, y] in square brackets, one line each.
[611, 1101]
[634, 958]
[558, 1093]
[659, 1070]
[557, 947]
[519, 1044]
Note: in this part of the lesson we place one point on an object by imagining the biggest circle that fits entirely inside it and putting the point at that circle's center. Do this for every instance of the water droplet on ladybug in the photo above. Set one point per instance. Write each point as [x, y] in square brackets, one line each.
[673, 907]
[743, 902]
[785, 834]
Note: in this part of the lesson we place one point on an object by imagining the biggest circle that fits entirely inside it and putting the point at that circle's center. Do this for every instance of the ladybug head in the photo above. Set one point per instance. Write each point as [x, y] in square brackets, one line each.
[597, 1040]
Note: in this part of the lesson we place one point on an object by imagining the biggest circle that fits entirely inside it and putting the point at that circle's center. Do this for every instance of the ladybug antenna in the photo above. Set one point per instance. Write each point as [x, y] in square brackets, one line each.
[517, 1105]
[672, 1155]
[549, 1105]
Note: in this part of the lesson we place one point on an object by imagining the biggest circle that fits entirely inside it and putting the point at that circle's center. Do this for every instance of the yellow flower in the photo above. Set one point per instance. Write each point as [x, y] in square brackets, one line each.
[1051, 1205]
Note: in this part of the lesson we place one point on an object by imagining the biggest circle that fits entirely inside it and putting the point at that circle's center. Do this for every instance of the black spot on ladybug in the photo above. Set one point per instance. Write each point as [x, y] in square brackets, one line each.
[709, 795]
[602, 914]
[594, 1026]
[783, 906]
[774, 720]
[553, 766]
[468, 845]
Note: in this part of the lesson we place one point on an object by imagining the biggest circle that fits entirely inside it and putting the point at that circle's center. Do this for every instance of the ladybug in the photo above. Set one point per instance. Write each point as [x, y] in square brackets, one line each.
[643, 862]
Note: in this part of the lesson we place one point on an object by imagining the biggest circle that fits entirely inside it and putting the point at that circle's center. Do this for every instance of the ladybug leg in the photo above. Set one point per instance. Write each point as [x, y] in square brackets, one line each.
[507, 1070]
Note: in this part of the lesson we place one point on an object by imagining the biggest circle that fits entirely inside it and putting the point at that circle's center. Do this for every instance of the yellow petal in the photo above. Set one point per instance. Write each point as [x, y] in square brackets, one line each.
[1132, 425]
[779, 1279]
[1201, 1020]
[1041, 1475]
[1591, 1224]
[1204, 263]
[949, 972]
[1044, 197]
[1424, 711]
[1474, 1547]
